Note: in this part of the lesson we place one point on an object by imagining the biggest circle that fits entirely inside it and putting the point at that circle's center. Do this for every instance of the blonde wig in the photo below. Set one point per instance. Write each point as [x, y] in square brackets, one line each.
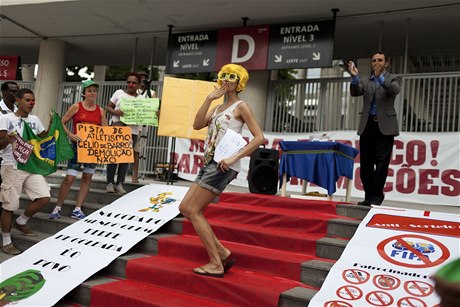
[242, 73]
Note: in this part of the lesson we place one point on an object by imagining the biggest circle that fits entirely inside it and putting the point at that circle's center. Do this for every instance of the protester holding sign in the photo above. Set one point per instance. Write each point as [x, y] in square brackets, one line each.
[86, 111]
[14, 180]
[113, 108]
[216, 175]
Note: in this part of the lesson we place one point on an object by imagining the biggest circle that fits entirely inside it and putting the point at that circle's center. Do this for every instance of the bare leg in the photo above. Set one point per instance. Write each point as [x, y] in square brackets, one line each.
[135, 167]
[192, 207]
[64, 189]
[36, 206]
[84, 188]
[6, 218]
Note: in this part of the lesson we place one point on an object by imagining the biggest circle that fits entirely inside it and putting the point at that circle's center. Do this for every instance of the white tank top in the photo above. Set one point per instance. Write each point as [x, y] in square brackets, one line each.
[218, 125]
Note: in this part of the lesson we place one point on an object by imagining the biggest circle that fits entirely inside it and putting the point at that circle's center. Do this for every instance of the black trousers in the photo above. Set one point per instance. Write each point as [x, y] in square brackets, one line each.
[375, 152]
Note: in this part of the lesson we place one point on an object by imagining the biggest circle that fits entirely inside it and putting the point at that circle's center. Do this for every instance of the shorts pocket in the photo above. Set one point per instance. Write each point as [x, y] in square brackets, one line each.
[5, 195]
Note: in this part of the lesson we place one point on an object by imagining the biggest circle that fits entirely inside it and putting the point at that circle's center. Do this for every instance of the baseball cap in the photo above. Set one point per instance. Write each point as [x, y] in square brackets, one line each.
[88, 83]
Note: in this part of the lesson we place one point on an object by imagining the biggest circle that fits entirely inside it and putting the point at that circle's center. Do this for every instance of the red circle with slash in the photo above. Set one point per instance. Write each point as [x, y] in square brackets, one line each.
[412, 302]
[349, 293]
[418, 288]
[356, 277]
[386, 282]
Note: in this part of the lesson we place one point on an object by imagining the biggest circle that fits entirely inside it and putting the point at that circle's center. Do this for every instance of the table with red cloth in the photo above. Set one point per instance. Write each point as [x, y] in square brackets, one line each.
[321, 163]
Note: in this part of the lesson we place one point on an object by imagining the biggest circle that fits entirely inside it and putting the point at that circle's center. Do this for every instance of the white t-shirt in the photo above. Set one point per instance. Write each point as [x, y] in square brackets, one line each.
[10, 122]
[116, 99]
[139, 92]
[5, 110]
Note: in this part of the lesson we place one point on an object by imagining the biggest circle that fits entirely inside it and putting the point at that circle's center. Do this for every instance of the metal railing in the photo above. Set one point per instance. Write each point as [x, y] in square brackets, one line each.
[427, 102]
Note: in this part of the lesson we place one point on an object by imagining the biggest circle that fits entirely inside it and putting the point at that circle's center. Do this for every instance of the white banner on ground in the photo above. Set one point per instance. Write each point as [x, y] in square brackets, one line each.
[424, 168]
[50, 269]
[390, 259]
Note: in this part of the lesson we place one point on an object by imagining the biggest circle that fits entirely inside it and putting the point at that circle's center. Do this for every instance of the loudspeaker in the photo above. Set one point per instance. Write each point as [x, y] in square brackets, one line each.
[263, 171]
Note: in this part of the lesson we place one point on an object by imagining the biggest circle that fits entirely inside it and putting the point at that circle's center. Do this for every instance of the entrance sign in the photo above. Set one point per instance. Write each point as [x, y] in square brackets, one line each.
[247, 46]
[192, 52]
[306, 45]
[399, 261]
[8, 67]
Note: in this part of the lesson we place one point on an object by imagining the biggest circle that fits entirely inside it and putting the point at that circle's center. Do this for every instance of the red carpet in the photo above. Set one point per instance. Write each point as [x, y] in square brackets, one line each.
[269, 235]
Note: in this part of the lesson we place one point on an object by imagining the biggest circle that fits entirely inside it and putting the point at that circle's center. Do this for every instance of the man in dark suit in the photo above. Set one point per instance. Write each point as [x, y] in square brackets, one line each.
[378, 124]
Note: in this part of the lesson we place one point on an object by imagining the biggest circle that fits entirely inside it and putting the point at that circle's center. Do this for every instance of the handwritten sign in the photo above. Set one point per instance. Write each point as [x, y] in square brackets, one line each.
[139, 111]
[104, 144]
[21, 149]
[229, 145]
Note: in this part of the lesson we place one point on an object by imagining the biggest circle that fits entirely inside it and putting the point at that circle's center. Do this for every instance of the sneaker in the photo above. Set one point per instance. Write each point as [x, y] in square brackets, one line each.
[77, 214]
[10, 249]
[119, 189]
[55, 214]
[110, 188]
[24, 229]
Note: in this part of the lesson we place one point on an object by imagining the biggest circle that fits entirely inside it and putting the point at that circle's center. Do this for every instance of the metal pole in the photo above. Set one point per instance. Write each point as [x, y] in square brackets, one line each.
[406, 47]
[133, 63]
[152, 56]
[381, 35]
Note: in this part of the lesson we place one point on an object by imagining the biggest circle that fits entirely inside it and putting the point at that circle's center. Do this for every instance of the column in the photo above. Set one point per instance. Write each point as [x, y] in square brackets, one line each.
[99, 73]
[27, 72]
[255, 94]
[51, 72]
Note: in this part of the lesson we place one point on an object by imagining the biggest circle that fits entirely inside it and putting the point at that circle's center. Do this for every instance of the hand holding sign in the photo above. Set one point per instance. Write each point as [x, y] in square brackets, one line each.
[140, 111]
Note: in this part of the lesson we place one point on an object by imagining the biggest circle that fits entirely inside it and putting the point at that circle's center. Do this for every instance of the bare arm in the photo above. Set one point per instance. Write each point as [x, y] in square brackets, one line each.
[103, 117]
[66, 118]
[202, 116]
[111, 109]
[6, 139]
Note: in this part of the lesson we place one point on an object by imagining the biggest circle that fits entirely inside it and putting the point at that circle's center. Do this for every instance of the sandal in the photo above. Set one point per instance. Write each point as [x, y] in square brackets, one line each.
[202, 271]
[228, 262]
[134, 180]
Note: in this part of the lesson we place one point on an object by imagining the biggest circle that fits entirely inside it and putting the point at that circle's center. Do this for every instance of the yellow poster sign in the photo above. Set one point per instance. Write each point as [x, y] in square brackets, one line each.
[180, 102]
[104, 144]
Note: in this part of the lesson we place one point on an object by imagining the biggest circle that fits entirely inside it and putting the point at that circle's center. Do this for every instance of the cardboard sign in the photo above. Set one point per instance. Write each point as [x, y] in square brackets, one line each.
[140, 111]
[104, 144]
[21, 149]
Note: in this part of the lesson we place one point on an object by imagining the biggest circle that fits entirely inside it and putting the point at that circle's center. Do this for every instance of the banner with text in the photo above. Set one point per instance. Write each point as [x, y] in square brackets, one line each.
[390, 259]
[104, 144]
[56, 265]
[424, 167]
[140, 111]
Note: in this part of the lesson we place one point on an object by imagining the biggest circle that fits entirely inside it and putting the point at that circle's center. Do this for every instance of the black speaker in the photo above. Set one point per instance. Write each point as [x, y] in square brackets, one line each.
[263, 171]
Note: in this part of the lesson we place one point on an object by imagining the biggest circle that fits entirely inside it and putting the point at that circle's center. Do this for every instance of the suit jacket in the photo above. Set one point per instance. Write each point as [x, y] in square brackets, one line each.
[384, 96]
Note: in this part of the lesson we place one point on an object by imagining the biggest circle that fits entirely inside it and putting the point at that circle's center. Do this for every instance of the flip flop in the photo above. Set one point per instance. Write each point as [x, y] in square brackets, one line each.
[227, 263]
[202, 271]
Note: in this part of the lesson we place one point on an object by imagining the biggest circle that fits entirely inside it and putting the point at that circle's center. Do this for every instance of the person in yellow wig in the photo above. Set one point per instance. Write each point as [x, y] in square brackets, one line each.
[216, 175]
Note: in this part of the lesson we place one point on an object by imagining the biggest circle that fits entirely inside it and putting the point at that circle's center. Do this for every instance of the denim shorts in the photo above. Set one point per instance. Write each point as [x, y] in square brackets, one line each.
[74, 166]
[213, 179]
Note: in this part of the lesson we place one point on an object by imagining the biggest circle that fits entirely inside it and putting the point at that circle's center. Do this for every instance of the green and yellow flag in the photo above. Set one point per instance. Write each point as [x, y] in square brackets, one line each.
[48, 151]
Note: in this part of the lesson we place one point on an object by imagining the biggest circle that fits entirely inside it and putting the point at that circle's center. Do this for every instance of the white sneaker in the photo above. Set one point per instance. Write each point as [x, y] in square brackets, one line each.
[110, 188]
[119, 189]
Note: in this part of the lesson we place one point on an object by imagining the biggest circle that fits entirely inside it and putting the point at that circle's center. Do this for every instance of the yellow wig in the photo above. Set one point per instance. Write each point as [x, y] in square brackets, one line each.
[242, 73]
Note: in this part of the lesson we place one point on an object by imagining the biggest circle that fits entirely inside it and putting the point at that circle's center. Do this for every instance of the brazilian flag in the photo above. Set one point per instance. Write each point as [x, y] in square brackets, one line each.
[48, 151]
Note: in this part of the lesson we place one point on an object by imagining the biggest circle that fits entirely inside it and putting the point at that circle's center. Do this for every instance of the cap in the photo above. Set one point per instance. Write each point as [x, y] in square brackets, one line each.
[89, 83]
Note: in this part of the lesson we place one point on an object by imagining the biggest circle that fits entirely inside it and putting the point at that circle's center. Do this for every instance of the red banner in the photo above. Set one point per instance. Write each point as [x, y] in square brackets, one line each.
[8, 67]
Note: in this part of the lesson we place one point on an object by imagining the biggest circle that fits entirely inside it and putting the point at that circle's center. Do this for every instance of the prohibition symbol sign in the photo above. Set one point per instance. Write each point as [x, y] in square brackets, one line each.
[386, 282]
[411, 302]
[410, 256]
[418, 288]
[356, 277]
[337, 304]
[379, 298]
[349, 293]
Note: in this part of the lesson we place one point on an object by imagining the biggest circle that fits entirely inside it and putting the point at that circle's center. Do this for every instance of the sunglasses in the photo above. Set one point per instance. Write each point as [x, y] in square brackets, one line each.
[230, 77]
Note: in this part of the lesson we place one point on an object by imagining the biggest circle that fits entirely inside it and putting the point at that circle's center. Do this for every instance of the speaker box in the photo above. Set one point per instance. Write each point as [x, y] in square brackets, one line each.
[263, 171]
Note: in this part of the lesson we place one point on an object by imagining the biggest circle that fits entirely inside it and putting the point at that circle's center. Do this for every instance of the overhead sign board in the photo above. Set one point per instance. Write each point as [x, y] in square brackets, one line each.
[192, 52]
[299, 45]
[306, 45]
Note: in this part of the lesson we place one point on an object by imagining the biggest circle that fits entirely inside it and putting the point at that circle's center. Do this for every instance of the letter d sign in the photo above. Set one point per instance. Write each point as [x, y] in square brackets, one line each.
[249, 53]
[247, 46]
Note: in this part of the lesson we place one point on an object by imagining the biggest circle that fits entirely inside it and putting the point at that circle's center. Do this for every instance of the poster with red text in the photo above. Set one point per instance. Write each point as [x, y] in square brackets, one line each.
[390, 259]
[424, 168]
